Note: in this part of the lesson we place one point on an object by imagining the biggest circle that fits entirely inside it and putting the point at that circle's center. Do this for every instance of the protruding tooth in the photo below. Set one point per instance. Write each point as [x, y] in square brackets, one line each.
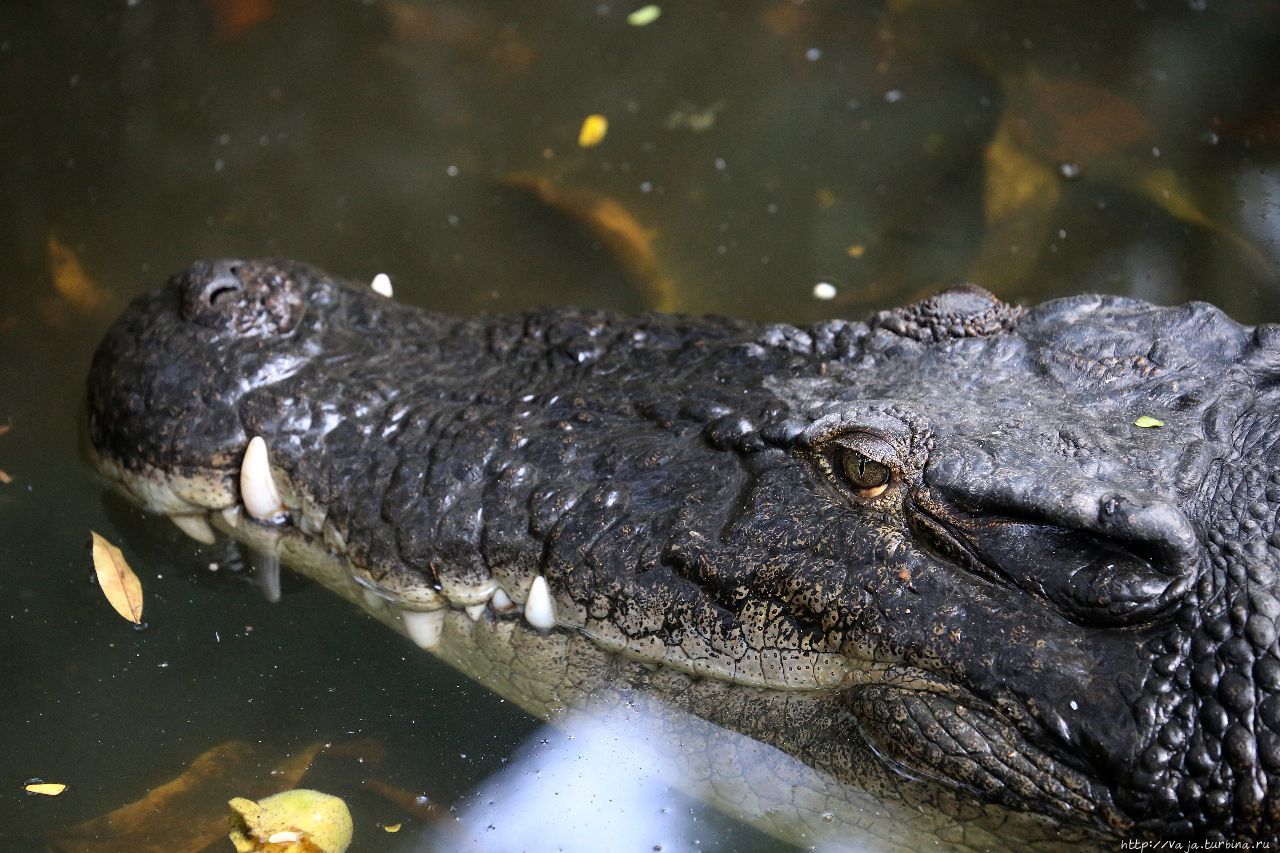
[266, 571]
[194, 526]
[539, 608]
[231, 515]
[501, 602]
[424, 627]
[257, 486]
[475, 611]
[381, 285]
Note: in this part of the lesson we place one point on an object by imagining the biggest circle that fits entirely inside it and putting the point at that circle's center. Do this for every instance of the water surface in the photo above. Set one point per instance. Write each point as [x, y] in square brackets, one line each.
[757, 148]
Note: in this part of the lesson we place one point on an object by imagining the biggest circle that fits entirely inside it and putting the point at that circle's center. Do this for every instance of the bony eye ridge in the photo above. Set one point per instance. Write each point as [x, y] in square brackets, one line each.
[867, 477]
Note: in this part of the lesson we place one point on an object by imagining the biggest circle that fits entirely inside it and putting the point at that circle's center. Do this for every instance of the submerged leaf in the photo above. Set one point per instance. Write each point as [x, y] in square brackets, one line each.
[1022, 193]
[71, 281]
[187, 814]
[628, 242]
[1166, 191]
[1069, 121]
[118, 582]
[234, 19]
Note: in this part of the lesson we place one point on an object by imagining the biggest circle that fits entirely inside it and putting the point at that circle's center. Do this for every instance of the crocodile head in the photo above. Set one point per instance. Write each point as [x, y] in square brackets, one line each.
[1031, 554]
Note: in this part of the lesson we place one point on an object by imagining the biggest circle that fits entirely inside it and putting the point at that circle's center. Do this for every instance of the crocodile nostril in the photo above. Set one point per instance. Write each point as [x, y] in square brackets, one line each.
[249, 298]
[219, 291]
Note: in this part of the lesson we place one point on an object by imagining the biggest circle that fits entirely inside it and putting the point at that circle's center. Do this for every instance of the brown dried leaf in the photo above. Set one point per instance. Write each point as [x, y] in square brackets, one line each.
[71, 281]
[5, 477]
[477, 36]
[627, 241]
[118, 582]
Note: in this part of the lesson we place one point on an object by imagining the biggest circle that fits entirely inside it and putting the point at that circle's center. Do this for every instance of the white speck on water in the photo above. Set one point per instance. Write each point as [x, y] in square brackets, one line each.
[824, 290]
[813, 54]
[721, 165]
[1070, 171]
[893, 96]
[646, 187]
[451, 171]
[1074, 705]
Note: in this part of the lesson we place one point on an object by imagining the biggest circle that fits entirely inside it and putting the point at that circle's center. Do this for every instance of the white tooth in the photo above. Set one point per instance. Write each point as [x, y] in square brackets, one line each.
[257, 486]
[231, 515]
[373, 600]
[194, 526]
[475, 611]
[381, 285]
[501, 602]
[424, 627]
[539, 609]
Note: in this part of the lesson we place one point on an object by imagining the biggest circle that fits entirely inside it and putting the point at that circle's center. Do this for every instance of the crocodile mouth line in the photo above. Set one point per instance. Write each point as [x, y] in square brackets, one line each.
[284, 525]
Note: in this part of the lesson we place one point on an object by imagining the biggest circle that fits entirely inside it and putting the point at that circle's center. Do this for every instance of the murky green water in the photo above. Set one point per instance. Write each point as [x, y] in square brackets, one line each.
[757, 148]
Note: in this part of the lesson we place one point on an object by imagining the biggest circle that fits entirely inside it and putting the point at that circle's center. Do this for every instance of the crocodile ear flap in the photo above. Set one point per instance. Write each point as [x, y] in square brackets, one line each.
[1094, 580]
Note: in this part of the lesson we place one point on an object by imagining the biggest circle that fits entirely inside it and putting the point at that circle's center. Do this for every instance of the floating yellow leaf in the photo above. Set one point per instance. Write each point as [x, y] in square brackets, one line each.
[1148, 421]
[70, 279]
[391, 827]
[594, 127]
[645, 15]
[119, 584]
[857, 250]
[297, 821]
[44, 789]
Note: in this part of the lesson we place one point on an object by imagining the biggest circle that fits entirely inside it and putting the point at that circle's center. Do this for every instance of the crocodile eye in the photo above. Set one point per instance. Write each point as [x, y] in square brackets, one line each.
[867, 477]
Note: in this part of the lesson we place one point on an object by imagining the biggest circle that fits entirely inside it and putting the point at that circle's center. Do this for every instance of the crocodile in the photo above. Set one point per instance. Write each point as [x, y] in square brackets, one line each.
[965, 553]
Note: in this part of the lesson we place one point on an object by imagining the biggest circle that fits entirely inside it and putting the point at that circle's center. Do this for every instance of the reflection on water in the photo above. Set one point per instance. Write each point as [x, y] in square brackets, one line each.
[759, 148]
[592, 777]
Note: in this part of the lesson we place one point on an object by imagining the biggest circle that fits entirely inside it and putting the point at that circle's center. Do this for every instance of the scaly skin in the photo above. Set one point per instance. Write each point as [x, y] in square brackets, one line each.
[941, 527]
